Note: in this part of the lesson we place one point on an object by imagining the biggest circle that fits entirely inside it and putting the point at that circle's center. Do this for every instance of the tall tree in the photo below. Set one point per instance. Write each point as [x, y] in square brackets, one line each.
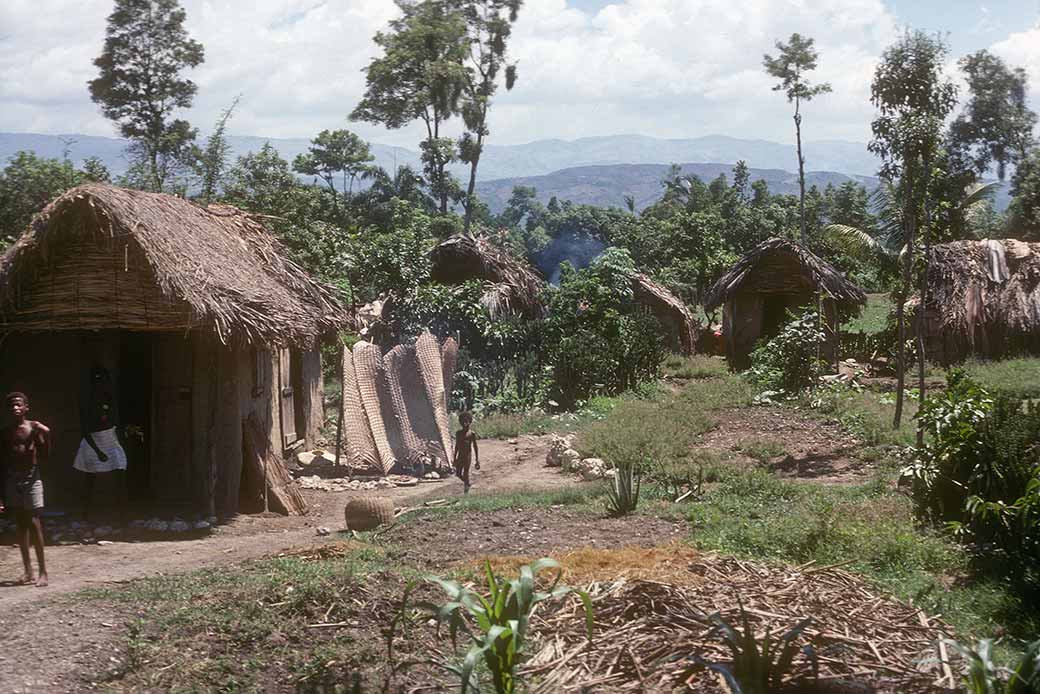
[27, 183]
[211, 161]
[1025, 205]
[140, 85]
[489, 24]
[913, 98]
[420, 76]
[996, 125]
[335, 154]
[795, 59]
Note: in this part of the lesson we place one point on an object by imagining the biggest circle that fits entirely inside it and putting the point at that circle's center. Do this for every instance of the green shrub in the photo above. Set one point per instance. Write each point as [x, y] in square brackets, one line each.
[983, 676]
[979, 470]
[790, 363]
[502, 619]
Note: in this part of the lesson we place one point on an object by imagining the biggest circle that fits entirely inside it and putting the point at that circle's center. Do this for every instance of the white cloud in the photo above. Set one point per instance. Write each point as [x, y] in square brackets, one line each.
[671, 68]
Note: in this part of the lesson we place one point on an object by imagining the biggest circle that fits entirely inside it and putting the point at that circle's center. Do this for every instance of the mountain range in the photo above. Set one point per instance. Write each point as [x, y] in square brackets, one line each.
[591, 170]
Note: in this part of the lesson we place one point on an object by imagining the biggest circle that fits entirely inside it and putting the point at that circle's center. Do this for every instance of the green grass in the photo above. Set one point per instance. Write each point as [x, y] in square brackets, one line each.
[762, 450]
[866, 414]
[869, 529]
[1017, 377]
[874, 316]
[225, 629]
[698, 366]
[578, 497]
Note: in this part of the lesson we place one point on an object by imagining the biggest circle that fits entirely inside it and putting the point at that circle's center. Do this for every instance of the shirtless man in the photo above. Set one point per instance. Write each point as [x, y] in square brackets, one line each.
[24, 444]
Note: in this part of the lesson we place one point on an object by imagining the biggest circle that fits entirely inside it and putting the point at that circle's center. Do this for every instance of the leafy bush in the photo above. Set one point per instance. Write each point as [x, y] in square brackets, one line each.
[979, 470]
[502, 619]
[597, 339]
[759, 666]
[790, 363]
[983, 676]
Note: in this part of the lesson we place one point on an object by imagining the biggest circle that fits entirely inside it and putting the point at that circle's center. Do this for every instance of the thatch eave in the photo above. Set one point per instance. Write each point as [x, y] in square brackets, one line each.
[814, 271]
[219, 264]
[514, 287]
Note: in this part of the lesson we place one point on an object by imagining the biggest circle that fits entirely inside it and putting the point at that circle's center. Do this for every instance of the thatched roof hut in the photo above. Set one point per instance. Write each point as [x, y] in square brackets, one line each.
[983, 300]
[184, 267]
[778, 276]
[670, 311]
[514, 286]
[209, 331]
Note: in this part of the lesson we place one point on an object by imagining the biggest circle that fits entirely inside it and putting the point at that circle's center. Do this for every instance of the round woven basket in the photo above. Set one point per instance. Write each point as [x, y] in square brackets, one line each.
[368, 512]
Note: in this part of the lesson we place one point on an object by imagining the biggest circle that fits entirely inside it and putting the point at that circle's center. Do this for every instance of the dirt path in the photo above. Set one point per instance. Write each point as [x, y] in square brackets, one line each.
[506, 466]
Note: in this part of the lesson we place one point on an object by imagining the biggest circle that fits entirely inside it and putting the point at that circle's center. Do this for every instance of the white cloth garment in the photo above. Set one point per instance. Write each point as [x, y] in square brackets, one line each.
[108, 443]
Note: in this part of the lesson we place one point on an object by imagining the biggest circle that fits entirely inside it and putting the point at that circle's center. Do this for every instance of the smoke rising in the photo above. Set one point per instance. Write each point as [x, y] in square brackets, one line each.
[579, 250]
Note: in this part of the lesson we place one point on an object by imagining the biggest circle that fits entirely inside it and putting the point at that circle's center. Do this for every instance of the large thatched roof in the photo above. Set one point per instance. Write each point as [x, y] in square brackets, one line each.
[663, 302]
[514, 286]
[781, 266]
[989, 288]
[101, 257]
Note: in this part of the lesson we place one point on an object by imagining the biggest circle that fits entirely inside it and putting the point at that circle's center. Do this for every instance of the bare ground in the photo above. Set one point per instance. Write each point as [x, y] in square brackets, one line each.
[812, 449]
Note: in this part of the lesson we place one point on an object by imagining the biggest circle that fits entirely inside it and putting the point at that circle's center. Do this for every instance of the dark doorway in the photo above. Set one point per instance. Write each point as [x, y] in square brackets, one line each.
[774, 315]
[135, 409]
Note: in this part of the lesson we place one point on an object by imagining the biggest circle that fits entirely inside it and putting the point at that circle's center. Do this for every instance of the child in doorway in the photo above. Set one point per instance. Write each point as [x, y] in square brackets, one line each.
[24, 444]
[465, 440]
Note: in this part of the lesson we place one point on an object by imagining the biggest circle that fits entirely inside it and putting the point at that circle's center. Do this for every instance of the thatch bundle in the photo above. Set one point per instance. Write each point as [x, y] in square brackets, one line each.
[983, 298]
[665, 305]
[780, 266]
[513, 286]
[105, 257]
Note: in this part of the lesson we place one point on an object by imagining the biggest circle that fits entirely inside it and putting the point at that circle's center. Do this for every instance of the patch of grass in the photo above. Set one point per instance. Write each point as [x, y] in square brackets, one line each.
[1016, 377]
[228, 629]
[874, 316]
[586, 495]
[762, 450]
[865, 414]
[869, 528]
[698, 366]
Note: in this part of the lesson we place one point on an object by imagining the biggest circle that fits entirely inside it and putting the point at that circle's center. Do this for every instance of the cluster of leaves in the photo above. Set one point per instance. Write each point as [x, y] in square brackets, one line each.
[984, 676]
[979, 470]
[596, 340]
[502, 618]
[790, 362]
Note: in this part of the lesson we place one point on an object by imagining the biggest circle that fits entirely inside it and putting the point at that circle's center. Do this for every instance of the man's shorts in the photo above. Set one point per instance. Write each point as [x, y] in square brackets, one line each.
[24, 497]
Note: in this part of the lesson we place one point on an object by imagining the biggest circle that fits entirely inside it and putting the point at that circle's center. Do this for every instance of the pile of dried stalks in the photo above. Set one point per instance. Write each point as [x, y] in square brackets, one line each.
[648, 632]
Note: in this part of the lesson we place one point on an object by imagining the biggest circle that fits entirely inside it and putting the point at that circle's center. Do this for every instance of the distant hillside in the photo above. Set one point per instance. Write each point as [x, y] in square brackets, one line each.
[510, 161]
[607, 186]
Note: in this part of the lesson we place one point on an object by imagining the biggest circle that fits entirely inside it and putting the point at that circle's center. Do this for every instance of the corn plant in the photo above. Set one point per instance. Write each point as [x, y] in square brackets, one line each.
[623, 490]
[983, 676]
[758, 665]
[502, 619]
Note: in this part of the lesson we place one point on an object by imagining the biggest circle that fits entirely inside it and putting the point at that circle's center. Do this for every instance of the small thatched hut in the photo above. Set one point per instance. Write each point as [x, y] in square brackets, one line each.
[202, 321]
[673, 315]
[983, 300]
[513, 286]
[775, 277]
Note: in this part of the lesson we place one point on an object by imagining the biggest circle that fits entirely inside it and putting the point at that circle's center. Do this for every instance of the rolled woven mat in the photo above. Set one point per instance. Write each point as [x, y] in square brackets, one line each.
[361, 447]
[431, 368]
[449, 358]
[420, 410]
[368, 359]
[368, 512]
[395, 362]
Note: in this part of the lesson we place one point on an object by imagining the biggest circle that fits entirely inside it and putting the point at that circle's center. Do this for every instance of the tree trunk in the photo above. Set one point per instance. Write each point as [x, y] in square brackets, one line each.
[904, 290]
[801, 170]
[923, 302]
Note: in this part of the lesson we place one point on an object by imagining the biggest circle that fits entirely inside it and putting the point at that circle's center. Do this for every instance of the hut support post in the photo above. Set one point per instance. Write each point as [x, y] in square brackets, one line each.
[342, 399]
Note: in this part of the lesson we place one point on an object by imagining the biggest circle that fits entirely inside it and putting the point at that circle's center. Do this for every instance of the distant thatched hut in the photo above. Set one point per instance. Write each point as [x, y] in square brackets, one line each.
[777, 276]
[513, 286]
[983, 300]
[673, 315]
[199, 316]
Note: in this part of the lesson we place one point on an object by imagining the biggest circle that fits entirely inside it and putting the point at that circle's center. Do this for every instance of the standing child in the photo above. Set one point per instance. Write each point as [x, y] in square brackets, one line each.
[24, 443]
[465, 440]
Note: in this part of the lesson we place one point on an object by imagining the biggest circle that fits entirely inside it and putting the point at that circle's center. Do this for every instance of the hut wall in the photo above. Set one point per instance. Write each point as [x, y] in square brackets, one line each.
[311, 393]
[744, 323]
[49, 370]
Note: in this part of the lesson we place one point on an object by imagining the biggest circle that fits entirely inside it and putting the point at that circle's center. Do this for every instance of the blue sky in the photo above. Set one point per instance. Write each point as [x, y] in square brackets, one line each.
[667, 68]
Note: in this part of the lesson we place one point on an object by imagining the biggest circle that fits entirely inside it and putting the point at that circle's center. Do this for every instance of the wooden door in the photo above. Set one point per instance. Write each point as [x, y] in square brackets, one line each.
[172, 428]
[286, 400]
